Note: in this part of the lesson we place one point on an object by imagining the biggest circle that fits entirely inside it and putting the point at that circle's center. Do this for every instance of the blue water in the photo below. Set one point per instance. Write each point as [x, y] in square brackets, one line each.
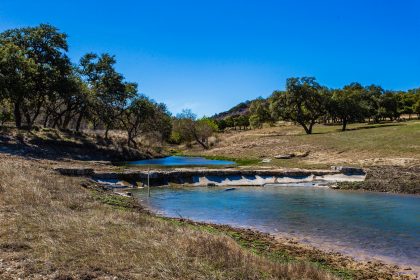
[367, 224]
[181, 161]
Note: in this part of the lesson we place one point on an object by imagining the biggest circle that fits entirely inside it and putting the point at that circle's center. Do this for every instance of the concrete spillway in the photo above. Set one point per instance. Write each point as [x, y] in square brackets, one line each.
[226, 177]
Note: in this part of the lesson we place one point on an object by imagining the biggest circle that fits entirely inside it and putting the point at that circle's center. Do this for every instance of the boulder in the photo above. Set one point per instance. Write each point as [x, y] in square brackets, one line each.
[302, 154]
[285, 156]
[348, 170]
[75, 171]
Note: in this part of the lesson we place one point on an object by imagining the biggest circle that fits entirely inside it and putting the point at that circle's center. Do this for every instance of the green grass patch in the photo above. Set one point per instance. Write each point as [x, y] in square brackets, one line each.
[239, 161]
[117, 201]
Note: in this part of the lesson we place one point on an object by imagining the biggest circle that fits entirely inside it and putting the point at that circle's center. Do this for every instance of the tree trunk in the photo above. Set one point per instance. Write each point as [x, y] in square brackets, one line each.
[18, 115]
[67, 119]
[311, 125]
[79, 121]
[307, 129]
[106, 132]
[47, 116]
[28, 121]
[201, 142]
[344, 124]
[56, 121]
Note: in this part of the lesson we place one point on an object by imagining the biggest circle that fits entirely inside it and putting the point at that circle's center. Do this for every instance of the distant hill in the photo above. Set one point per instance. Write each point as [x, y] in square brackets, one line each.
[238, 110]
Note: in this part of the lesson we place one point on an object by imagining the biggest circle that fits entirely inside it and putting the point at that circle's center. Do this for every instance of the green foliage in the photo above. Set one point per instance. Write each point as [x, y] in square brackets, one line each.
[207, 122]
[34, 66]
[190, 129]
[145, 116]
[389, 106]
[348, 104]
[416, 107]
[5, 111]
[111, 91]
[175, 138]
[259, 113]
[303, 102]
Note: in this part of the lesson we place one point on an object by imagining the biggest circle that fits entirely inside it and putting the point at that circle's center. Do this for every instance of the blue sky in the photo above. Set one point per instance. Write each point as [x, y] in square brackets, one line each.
[211, 55]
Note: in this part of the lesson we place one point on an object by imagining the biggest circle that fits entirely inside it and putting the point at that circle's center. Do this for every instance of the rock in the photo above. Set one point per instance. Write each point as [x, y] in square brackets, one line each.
[300, 154]
[349, 170]
[266, 160]
[75, 171]
[285, 156]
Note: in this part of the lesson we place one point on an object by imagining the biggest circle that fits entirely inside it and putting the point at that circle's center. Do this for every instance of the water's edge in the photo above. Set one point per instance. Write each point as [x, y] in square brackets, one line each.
[253, 220]
[300, 241]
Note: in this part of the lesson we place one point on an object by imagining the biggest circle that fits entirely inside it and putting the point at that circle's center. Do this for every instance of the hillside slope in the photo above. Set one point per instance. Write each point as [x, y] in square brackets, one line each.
[238, 110]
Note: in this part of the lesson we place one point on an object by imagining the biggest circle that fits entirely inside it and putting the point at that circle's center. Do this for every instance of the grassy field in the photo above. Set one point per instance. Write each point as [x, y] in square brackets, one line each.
[361, 145]
[53, 228]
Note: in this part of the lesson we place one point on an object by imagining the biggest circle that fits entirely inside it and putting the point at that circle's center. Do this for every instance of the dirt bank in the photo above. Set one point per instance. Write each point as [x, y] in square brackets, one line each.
[51, 144]
[394, 179]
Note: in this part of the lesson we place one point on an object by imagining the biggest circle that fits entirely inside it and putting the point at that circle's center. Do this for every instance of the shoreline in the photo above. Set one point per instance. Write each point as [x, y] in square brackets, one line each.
[361, 264]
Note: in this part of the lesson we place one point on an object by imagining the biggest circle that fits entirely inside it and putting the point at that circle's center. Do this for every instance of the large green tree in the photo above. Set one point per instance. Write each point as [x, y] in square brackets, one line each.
[189, 128]
[36, 62]
[389, 105]
[111, 91]
[259, 112]
[303, 102]
[16, 77]
[145, 116]
[347, 104]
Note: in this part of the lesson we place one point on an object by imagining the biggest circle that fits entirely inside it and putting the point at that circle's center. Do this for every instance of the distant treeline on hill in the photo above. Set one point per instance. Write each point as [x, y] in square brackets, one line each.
[40, 86]
[306, 102]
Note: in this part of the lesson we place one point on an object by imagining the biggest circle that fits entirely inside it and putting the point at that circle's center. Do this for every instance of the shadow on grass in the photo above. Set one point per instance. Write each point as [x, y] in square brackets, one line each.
[65, 145]
[369, 126]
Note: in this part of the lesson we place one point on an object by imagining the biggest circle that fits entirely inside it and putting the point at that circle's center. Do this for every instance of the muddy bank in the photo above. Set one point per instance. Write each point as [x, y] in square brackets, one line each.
[393, 179]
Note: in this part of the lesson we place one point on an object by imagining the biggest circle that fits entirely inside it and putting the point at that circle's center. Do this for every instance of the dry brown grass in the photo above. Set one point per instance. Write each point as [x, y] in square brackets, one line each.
[361, 145]
[52, 228]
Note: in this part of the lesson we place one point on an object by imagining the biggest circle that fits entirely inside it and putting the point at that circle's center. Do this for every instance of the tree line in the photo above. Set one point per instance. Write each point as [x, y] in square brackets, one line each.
[306, 103]
[41, 86]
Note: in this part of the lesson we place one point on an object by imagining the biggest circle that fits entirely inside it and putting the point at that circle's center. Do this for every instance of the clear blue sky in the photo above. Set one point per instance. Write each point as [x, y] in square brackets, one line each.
[209, 55]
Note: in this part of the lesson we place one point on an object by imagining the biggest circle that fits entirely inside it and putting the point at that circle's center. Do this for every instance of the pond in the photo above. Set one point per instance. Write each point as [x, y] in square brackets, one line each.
[181, 161]
[361, 224]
